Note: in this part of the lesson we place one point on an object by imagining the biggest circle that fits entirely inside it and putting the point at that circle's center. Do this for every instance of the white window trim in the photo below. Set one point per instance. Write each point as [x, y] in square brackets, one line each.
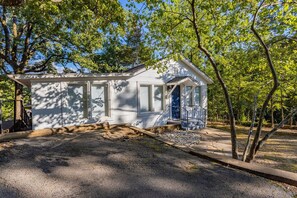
[188, 95]
[163, 97]
[152, 106]
[87, 97]
[192, 94]
[107, 102]
[200, 96]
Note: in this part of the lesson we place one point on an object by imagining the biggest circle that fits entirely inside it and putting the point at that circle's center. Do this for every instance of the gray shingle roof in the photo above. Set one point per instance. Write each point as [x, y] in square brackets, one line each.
[135, 69]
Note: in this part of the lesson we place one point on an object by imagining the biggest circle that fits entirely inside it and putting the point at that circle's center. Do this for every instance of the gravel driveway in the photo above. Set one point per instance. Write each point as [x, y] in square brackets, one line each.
[87, 165]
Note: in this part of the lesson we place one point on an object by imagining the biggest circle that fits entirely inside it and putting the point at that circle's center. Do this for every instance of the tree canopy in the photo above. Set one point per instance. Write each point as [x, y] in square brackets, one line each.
[245, 43]
[38, 33]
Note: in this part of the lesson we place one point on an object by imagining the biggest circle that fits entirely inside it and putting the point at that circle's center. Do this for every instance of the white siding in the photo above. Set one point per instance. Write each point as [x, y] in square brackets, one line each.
[46, 105]
[49, 100]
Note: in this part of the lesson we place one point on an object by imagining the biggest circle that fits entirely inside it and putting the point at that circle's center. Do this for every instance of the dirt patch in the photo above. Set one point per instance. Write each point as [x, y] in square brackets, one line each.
[6, 145]
[279, 152]
[119, 133]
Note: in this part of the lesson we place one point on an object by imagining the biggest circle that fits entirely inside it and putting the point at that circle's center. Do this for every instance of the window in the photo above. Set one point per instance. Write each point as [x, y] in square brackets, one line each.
[151, 98]
[189, 96]
[99, 100]
[197, 96]
[77, 100]
[158, 98]
[87, 99]
[145, 98]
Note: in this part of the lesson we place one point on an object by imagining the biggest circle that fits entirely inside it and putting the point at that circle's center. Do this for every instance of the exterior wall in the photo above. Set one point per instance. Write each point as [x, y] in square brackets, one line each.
[46, 105]
[174, 69]
[124, 101]
[49, 99]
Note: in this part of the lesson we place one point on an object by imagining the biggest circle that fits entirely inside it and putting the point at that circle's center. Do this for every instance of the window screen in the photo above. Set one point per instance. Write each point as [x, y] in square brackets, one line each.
[158, 98]
[77, 100]
[98, 100]
[197, 96]
[189, 99]
[145, 98]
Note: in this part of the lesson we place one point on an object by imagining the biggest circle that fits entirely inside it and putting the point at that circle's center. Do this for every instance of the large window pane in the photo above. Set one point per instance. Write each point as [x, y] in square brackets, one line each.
[158, 98]
[77, 100]
[189, 99]
[145, 98]
[197, 96]
[98, 100]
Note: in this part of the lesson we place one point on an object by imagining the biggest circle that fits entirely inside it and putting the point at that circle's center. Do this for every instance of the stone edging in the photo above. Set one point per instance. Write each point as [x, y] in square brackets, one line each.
[256, 169]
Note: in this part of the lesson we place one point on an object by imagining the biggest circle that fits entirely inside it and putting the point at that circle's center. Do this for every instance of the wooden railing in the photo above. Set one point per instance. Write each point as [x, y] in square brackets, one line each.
[25, 117]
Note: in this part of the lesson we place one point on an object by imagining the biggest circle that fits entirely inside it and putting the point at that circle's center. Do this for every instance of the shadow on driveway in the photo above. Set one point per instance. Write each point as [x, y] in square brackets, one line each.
[91, 166]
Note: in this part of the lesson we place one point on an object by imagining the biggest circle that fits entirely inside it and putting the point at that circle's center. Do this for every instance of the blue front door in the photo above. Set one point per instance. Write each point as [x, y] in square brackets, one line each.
[175, 103]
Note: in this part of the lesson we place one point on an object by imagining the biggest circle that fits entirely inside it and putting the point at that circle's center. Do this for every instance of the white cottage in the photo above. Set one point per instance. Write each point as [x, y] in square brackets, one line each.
[140, 96]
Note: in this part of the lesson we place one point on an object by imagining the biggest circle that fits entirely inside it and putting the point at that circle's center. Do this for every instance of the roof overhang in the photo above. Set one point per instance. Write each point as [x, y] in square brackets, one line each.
[183, 80]
[27, 79]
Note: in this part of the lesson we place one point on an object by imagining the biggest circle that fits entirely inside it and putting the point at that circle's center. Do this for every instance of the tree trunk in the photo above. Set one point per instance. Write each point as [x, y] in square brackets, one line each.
[18, 106]
[248, 115]
[220, 79]
[0, 117]
[272, 116]
[282, 105]
[291, 122]
[247, 146]
[272, 90]
[274, 130]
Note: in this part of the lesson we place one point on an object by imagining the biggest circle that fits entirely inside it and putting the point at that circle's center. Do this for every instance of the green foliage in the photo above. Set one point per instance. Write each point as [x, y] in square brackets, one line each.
[122, 51]
[224, 27]
[47, 32]
[6, 97]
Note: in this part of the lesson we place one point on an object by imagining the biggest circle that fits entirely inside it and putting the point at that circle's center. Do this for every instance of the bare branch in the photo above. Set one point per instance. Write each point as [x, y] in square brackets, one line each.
[14, 49]
[247, 145]
[273, 89]
[220, 79]
[282, 38]
[26, 50]
[6, 32]
[6, 59]
[274, 130]
[41, 67]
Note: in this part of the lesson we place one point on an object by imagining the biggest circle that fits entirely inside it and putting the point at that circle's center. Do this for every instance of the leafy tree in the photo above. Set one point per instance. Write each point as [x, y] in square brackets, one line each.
[204, 27]
[38, 33]
[120, 52]
[219, 34]
[6, 97]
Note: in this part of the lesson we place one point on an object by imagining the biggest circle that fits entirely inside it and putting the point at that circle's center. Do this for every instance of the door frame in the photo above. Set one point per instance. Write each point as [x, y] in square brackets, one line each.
[180, 104]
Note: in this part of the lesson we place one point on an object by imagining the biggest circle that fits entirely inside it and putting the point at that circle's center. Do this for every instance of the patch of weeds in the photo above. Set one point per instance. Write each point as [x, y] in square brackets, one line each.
[187, 166]
[192, 167]
[289, 167]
